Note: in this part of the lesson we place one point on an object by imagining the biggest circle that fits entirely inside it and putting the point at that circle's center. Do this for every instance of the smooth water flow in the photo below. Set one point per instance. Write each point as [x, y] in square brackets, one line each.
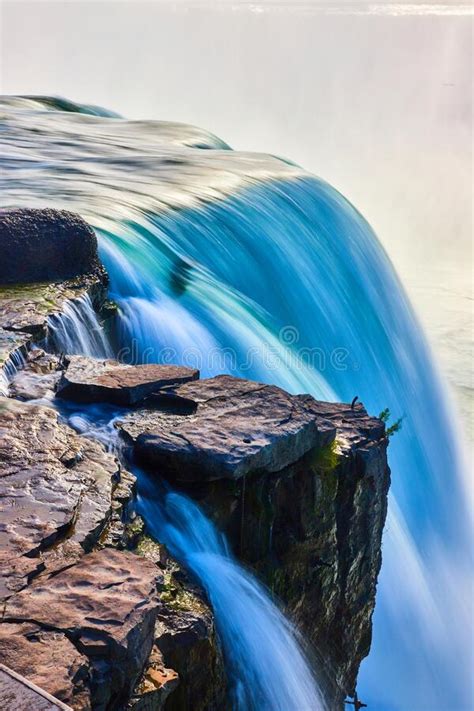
[12, 365]
[266, 667]
[77, 330]
[245, 264]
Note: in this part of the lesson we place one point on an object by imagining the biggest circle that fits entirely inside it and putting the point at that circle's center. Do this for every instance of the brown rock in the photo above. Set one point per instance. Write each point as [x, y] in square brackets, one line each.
[49, 660]
[53, 484]
[89, 380]
[38, 377]
[312, 532]
[25, 308]
[155, 685]
[107, 605]
[238, 426]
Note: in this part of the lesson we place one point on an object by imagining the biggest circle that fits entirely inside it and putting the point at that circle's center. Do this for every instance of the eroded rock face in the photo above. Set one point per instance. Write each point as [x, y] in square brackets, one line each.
[106, 605]
[313, 532]
[54, 485]
[45, 245]
[185, 642]
[90, 380]
[238, 426]
[300, 489]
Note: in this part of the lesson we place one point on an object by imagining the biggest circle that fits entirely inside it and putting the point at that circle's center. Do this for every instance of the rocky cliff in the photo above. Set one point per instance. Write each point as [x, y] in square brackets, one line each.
[94, 610]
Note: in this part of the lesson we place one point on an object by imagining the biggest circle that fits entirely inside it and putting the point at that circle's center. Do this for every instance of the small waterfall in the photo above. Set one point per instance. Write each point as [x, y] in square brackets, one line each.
[76, 330]
[267, 668]
[12, 365]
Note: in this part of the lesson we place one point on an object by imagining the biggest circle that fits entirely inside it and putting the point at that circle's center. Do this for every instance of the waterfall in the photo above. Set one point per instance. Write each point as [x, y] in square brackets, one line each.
[267, 669]
[245, 264]
[76, 329]
[10, 367]
[266, 666]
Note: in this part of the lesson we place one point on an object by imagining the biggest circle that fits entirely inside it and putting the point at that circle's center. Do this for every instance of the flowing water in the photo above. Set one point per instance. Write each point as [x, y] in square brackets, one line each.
[77, 330]
[246, 264]
[266, 667]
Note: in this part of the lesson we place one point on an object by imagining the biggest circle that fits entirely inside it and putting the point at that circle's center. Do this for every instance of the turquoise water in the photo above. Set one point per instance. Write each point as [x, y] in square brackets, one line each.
[242, 263]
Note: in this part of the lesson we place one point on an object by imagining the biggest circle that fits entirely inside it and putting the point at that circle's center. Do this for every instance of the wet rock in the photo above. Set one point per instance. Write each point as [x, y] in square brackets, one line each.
[188, 642]
[238, 426]
[313, 532]
[48, 659]
[185, 641]
[45, 245]
[155, 685]
[106, 605]
[90, 380]
[37, 378]
[25, 308]
[54, 485]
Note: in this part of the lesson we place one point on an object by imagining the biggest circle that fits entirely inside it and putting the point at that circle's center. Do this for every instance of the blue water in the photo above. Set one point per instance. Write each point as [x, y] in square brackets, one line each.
[266, 667]
[243, 264]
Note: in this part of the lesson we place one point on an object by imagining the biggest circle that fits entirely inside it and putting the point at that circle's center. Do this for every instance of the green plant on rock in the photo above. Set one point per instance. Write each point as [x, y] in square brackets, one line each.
[395, 427]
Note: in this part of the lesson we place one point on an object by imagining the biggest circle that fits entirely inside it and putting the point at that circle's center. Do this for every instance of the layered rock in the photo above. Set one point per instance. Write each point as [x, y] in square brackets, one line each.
[236, 427]
[55, 488]
[59, 264]
[106, 605]
[20, 694]
[89, 380]
[298, 486]
[82, 618]
[94, 625]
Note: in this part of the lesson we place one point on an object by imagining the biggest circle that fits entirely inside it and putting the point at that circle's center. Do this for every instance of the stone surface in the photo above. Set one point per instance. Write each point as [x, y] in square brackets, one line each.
[106, 605]
[45, 245]
[313, 532]
[38, 376]
[155, 685]
[89, 380]
[185, 641]
[25, 311]
[25, 308]
[238, 426]
[50, 661]
[54, 485]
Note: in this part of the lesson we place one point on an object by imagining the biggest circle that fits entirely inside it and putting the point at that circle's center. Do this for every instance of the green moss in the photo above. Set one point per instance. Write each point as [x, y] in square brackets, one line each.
[326, 458]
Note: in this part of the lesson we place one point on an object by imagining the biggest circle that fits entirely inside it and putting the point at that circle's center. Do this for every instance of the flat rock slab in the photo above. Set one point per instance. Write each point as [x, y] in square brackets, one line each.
[53, 485]
[103, 611]
[238, 426]
[89, 380]
[45, 245]
[47, 657]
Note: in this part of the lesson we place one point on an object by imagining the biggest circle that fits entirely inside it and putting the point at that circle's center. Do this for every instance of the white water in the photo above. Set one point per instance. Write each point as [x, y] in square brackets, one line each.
[77, 330]
[12, 365]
